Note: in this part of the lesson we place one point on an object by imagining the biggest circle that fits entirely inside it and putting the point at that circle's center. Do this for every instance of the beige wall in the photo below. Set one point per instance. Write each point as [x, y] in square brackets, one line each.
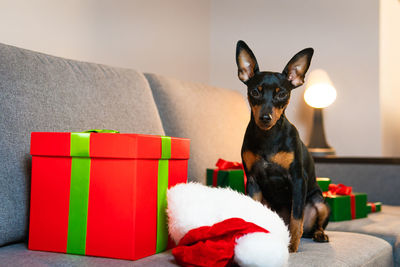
[344, 35]
[167, 37]
[195, 40]
[389, 76]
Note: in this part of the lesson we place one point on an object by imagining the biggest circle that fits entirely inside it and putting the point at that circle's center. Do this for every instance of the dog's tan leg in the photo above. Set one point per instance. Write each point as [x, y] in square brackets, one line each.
[310, 218]
[257, 196]
[315, 219]
[296, 231]
[322, 217]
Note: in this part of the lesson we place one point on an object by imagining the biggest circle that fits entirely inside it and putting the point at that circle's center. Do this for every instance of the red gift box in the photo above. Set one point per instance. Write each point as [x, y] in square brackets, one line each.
[103, 194]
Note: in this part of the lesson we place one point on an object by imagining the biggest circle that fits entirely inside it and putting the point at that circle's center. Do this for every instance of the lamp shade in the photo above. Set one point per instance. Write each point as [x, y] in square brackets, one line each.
[320, 92]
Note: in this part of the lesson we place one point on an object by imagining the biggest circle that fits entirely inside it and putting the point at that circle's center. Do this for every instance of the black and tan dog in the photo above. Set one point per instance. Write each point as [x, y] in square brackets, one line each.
[278, 166]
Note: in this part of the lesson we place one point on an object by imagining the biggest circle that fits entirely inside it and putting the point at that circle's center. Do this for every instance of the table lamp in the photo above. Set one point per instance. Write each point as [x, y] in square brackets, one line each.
[319, 94]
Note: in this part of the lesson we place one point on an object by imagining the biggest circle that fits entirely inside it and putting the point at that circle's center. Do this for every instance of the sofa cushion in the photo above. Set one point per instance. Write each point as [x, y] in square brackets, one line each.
[19, 255]
[344, 249]
[45, 93]
[384, 224]
[215, 120]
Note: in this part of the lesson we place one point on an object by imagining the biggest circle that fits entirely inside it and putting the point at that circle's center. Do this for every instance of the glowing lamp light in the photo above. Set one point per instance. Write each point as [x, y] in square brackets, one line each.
[319, 94]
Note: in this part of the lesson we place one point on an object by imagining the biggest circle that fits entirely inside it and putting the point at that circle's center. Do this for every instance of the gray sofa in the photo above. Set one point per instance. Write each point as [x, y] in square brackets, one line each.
[39, 92]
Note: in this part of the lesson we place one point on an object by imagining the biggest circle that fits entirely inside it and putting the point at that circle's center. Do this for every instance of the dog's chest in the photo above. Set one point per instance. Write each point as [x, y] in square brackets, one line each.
[282, 158]
[276, 170]
[275, 184]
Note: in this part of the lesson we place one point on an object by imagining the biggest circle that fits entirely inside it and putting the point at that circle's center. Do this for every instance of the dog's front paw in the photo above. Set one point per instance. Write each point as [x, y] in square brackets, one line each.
[320, 236]
[294, 246]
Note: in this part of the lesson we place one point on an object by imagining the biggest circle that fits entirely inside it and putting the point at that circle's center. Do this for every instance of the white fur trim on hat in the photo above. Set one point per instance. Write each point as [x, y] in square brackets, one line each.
[261, 249]
[194, 205]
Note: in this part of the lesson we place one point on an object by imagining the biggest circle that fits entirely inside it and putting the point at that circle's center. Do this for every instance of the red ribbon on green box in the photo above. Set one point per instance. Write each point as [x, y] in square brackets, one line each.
[227, 165]
[374, 206]
[79, 192]
[341, 189]
[357, 210]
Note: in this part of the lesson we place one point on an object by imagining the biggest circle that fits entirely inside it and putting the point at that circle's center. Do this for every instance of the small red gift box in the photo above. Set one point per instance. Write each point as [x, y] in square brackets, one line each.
[103, 194]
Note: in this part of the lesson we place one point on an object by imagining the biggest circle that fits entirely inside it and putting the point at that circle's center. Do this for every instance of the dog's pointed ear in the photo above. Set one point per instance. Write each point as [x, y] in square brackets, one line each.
[297, 67]
[246, 62]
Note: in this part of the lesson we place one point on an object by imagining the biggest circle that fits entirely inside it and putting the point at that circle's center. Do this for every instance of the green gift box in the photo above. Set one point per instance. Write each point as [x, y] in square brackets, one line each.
[347, 207]
[226, 178]
[324, 183]
[374, 207]
[340, 207]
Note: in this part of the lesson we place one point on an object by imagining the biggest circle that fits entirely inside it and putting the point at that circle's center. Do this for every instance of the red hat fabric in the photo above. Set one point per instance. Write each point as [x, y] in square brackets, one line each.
[213, 245]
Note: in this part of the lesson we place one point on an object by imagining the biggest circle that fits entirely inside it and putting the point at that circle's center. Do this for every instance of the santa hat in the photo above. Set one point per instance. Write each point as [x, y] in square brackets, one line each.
[216, 226]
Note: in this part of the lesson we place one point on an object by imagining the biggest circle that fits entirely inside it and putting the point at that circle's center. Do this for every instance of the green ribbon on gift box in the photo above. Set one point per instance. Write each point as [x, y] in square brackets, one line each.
[79, 192]
[101, 131]
[162, 230]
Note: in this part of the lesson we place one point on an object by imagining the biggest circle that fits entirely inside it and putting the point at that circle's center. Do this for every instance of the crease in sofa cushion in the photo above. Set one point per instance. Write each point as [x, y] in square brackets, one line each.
[215, 120]
[39, 92]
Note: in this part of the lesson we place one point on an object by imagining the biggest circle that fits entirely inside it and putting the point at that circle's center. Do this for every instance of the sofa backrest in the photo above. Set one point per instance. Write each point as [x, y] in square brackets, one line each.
[215, 120]
[378, 177]
[44, 93]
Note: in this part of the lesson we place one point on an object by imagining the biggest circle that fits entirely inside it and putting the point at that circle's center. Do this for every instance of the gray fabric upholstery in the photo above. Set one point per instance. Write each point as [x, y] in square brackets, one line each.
[345, 249]
[214, 119]
[384, 224]
[379, 181]
[45, 93]
[19, 255]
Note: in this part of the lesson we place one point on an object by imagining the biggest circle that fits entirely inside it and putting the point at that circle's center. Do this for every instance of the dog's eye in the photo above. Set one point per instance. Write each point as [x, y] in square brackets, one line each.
[281, 94]
[255, 93]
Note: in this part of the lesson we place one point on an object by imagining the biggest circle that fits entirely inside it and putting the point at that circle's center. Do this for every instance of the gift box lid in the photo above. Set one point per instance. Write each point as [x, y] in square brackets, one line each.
[108, 145]
[324, 179]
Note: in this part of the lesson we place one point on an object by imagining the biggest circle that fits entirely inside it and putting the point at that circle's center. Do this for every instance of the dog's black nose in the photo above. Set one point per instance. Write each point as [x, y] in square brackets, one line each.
[266, 118]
